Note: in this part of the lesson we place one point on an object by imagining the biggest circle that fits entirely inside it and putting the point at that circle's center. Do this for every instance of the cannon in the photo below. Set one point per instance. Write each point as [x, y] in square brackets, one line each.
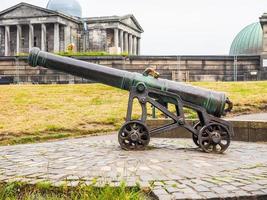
[210, 133]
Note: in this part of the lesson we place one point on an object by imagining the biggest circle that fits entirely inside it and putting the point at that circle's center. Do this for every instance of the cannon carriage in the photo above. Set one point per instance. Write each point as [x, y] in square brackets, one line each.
[211, 133]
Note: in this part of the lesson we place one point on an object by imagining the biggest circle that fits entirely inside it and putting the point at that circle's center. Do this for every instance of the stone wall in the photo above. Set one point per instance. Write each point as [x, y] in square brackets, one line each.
[248, 131]
[178, 68]
[97, 40]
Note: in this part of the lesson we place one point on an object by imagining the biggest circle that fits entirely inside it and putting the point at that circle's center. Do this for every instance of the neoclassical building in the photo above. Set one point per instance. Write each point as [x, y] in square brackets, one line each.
[60, 24]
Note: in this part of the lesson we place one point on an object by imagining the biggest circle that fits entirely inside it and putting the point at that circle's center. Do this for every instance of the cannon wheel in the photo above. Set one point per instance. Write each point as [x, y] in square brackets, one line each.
[214, 138]
[197, 127]
[134, 135]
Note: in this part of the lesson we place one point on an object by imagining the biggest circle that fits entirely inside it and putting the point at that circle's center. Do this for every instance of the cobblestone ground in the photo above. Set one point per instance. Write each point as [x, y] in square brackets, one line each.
[173, 168]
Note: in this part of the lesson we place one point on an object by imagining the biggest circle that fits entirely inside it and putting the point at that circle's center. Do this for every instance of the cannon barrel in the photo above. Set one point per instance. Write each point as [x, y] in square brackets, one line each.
[213, 102]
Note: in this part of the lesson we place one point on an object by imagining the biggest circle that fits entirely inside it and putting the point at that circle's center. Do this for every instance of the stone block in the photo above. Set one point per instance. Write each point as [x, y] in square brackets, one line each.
[241, 131]
[114, 50]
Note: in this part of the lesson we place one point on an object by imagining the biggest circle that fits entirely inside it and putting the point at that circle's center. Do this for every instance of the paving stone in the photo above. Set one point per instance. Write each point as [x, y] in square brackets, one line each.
[242, 193]
[147, 178]
[165, 197]
[160, 191]
[73, 183]
[72, 177]
[157, 183]
[229, 187]
[60, 183]
[106, 168]
[144, 168]
[144, 184]
[258, 193]
[171, 189]
[172, 177]
[263, 182]
[219, 190]
[237, 184]
[194, 196]
[209, 185]
[201, 188]
[209, 195]
[178, 195]
[172, 183]
[253, 187]
[175, 166]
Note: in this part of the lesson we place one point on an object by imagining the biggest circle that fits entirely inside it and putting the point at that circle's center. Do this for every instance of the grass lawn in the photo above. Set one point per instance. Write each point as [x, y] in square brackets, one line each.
[32, 113]
[45, 191]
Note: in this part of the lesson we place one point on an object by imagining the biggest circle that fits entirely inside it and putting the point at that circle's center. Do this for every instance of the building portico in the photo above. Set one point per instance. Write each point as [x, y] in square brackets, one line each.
[26, 36]
[24, 26]
[123, 34]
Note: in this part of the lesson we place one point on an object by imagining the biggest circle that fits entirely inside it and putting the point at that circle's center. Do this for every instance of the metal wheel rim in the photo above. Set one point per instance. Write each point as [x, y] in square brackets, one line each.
[134, 135]
[197, 126]
[206, 142]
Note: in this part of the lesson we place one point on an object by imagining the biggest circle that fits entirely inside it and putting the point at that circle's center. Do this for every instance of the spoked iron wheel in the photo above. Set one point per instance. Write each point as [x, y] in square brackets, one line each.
[197, 127]
[134, 135]
[214, 138]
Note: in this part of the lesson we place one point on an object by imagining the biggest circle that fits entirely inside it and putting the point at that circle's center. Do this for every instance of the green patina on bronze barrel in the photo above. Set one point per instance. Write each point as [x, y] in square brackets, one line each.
[213, 102]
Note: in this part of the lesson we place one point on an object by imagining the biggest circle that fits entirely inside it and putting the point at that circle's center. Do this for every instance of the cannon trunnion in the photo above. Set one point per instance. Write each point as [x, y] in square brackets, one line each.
[211, 133]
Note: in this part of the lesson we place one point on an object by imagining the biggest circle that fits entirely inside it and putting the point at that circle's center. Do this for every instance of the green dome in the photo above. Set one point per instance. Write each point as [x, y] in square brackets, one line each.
[248, 41]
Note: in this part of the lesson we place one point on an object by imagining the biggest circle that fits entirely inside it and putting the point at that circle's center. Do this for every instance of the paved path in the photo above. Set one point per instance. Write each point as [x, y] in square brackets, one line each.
[253, 117]
[173, 168]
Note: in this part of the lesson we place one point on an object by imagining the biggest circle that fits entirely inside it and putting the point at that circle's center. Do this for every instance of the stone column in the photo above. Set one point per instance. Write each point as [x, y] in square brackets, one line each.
[116, 38]
[7, 41]
[31, 36]
[56, 37]
[121, 41]
[138, 46]
[126, 42]
[263, 21]
[43, 37]
[134, 45]
[18, 38]
[264, 38]
[130, 44]
[67, 37]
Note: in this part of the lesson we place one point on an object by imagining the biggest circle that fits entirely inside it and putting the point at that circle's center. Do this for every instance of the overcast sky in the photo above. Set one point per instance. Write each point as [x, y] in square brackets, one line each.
[175, 27]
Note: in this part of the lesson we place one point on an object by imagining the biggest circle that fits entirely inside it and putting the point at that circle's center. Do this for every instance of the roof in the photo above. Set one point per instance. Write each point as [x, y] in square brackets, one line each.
[249, 41]
[90, 20]
[114, 18]
[48, 11]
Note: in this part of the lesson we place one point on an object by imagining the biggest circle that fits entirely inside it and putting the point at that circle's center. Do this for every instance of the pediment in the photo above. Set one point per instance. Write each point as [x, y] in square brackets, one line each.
[24, 10]
[132, 22]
